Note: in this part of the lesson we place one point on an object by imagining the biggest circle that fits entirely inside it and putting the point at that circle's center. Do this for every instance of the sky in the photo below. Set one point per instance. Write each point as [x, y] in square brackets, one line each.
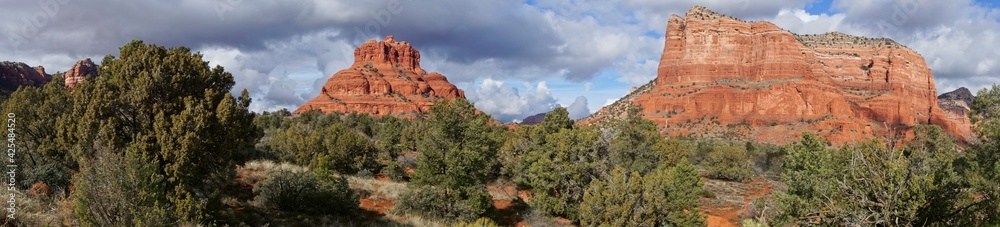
[513, 58]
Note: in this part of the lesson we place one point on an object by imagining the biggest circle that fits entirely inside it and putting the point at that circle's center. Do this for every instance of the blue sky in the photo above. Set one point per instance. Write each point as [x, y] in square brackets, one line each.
[513, 58]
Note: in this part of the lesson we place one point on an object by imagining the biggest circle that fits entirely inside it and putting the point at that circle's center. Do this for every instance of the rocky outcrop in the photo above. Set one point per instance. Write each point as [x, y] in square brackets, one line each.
[385, 78]
[16, 74]
[723, 77]
[956, 105]
[81, 71]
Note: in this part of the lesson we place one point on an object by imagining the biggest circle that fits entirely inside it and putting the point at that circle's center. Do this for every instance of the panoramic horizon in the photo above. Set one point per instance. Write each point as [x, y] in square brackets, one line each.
[513, 59]
[501, 113]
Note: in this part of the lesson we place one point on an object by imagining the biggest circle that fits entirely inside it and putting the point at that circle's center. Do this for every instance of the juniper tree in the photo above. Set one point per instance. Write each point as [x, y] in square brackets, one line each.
[169, 106]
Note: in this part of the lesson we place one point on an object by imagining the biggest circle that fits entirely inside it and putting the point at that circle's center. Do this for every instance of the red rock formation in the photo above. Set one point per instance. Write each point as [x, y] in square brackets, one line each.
[16, 74]
[385, 78]
[956, 105]
[81, 71]
[768, 84]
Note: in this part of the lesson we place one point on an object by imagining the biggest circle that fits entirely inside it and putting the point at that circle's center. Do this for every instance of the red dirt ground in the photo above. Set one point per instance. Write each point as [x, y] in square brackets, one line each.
[721, 214]
[377, 206]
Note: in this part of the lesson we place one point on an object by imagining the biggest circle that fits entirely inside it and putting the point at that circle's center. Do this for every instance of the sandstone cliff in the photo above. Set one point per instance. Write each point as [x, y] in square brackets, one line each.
[956, 105]
[723, 77]
[81, 71]
[16, 74]
[385, 78]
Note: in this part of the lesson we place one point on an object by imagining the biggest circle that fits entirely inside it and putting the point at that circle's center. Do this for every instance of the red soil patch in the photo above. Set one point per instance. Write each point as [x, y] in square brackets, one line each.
[382, 178]
[506, 212]
[727, 213]
[524, 194]
[716, 221]
[378, 206]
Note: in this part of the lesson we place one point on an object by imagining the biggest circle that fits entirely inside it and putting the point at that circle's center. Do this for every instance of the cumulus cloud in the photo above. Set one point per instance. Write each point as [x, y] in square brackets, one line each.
[282, 52]
[506, 104]
[956, 42]
[579, 108]
[257, 40]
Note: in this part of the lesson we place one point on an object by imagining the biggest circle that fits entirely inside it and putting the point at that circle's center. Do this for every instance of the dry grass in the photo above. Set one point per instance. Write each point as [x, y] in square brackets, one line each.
[37, 210]
[269, 166]
[377, 189]
[413, 220]
[502, 190]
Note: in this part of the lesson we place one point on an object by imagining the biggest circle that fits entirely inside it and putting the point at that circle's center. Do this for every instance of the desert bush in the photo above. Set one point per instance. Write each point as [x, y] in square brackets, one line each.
[464, 204]
[664, 197]
[872, 184]
[55, 175]
[481, 222]
[115, 189]
[729, 162]
[767, 158]
[395, 171]
[305, 192]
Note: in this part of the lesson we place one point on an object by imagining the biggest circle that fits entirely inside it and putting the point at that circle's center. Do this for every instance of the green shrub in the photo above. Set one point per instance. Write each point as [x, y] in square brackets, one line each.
[305, 192]
[395, 171]
[55, 175]
[481, 222]
[464, 204]
[728, 162]
[114, 189]
[664, 197]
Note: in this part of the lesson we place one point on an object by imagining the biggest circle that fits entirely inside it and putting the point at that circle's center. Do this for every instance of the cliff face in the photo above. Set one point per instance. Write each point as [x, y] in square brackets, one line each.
[719, 76]
[16, 74]
[81, 71]
[956, 105]
[385, 78]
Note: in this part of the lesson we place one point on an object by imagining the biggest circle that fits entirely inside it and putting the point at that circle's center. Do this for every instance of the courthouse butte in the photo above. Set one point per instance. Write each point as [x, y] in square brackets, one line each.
[385, 78]
[723, 77]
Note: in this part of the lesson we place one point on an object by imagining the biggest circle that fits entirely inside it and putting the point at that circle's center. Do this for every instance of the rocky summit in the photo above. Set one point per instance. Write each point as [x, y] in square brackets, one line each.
[723, 77]
[16, 74]
[956, 105]
[81, 71]
[385, 78]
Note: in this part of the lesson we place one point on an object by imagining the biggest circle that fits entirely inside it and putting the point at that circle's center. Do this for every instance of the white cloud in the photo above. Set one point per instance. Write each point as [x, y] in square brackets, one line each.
[957, 41]
[609, 101]
[547, 40]
[506, 104]
[579, 108]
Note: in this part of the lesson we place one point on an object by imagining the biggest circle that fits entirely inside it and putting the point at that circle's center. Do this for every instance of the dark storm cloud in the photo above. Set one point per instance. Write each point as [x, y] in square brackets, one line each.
[479, 30]
[260, 35]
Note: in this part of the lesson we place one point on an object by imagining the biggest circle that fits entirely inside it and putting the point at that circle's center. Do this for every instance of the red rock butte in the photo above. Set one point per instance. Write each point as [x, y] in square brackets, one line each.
[80, 71]
[759, 82]
[385, 78]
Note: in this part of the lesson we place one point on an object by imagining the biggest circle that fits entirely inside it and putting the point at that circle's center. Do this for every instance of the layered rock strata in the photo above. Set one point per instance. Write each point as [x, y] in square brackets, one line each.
[764, 83]
[385, 78]
[17, 74]
[81, 71]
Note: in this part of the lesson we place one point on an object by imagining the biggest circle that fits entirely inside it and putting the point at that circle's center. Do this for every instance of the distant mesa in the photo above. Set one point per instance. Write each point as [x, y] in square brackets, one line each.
[17, 74]
[385, 78]
[723, 77]
[534, 119]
